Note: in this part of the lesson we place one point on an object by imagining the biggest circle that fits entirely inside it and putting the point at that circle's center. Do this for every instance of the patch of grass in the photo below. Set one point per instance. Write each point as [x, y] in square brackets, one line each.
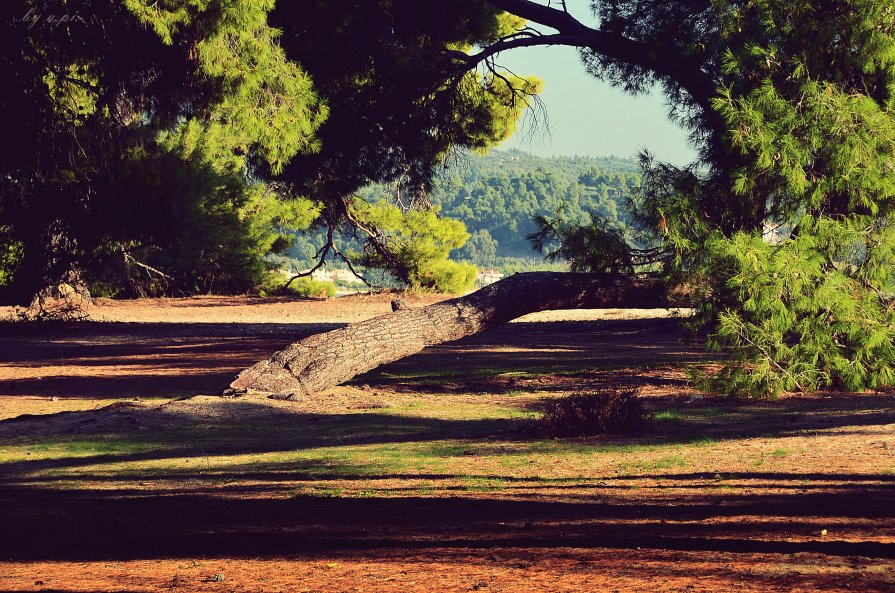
[514, 392]
[667, 415]
[615, 448]
[771, 456]
[665, 462]
[76, 447]
[514, 462]
[481, 484]
[445, 450]
[423, 446]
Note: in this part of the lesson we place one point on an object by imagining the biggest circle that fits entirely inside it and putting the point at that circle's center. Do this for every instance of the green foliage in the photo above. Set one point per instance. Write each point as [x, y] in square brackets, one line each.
[141, 130]
[398, 99]
[275, 283]
[783, 228]
[401, 93]
[266, 104]
[498, 195]
[481, 248]
[512, 265]
[596, 247]
[803, 319]
[10, 256]
[204, 231]
[814, 117]
[417, 246]
[504, 193]
[445, 276]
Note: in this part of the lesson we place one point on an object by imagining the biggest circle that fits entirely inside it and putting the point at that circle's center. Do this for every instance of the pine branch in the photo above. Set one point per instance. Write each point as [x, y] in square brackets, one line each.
[665, 62]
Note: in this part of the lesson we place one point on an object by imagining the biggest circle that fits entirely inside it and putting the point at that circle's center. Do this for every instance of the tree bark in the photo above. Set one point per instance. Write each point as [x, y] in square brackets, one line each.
[324, 360]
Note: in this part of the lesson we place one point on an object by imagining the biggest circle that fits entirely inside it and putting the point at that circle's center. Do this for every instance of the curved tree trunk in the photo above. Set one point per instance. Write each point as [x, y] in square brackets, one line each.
[324, 360]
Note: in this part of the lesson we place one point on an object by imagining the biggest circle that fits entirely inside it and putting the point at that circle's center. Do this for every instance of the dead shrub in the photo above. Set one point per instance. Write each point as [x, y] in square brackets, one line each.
[592, 413]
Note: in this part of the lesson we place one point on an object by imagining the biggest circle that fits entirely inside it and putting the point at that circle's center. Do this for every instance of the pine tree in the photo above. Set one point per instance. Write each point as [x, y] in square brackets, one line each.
[809, 103]
[403, 98]
[137, 126]
[783, 228]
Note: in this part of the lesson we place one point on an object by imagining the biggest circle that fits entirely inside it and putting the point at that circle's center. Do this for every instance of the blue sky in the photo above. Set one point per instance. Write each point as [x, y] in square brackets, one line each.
[588, 117]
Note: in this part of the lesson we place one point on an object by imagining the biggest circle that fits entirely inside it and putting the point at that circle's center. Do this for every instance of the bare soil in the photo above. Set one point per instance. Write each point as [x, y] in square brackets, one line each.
[122, 469]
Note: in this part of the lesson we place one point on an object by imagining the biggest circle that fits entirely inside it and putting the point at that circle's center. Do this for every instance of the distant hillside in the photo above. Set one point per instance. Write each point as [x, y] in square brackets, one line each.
[498, 194]
[516, 161]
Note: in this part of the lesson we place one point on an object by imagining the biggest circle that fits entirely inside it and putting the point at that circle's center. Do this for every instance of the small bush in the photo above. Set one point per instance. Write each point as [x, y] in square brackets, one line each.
[274, 284]
[310, 288]
[444, 276]
[599, 412]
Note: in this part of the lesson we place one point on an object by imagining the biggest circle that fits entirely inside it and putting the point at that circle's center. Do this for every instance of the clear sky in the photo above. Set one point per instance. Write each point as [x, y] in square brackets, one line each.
[588, 117]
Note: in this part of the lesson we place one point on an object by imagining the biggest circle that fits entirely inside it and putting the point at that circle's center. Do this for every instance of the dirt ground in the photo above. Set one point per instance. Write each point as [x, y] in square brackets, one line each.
[121, 469]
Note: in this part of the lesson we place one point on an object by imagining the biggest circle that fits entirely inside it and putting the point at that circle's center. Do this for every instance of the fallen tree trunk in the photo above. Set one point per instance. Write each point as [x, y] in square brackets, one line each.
[324, 360]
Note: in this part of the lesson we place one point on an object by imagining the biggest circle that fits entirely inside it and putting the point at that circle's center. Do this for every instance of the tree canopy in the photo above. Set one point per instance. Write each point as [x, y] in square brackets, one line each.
[160, 135]
[132, 129]
[403, 98]
[791, 105]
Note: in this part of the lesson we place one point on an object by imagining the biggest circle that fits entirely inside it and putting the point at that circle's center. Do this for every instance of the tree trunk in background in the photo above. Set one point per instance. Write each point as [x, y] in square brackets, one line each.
[324, 360]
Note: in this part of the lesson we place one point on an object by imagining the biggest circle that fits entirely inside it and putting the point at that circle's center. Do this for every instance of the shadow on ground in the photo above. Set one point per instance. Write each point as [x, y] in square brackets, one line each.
[128, 360]
[141, 432]
[158, 360]
[86, 525]
[571, 354]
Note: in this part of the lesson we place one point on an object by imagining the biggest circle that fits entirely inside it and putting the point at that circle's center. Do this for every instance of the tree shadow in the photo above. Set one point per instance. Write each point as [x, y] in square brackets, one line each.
[728, 419]
[141, 433]
[126, 360]
[185, 429]
[574, 354]
[263, 514]
[90, 525]
[157, 360]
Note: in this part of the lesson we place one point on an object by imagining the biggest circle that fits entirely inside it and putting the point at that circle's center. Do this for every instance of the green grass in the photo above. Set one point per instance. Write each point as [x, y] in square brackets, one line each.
[481, 484]
[666, 415]
[325, 492]
[418, 446]
[643, 465]
[689, 414]
[76, 447]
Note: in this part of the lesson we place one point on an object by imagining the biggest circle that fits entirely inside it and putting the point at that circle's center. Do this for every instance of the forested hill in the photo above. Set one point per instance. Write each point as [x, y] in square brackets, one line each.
[498, 194]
